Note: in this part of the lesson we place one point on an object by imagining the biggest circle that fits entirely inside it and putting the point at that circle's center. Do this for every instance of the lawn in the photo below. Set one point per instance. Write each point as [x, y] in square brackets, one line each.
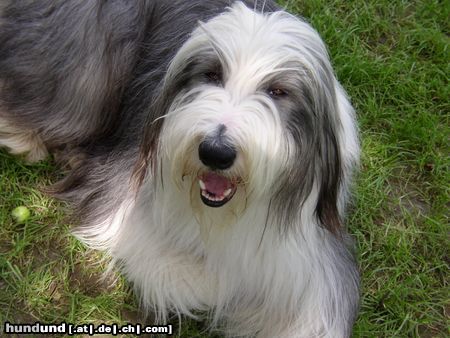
[393, 59]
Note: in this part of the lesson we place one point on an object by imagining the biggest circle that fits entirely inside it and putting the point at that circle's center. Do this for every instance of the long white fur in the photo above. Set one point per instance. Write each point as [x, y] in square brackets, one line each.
[183, 256]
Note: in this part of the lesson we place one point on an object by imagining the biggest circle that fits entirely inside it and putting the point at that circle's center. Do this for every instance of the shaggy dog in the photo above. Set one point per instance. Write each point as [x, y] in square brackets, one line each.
[211, 150]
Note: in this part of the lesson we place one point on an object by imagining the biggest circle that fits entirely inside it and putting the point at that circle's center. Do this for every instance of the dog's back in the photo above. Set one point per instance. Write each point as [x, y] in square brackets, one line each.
[79, 73]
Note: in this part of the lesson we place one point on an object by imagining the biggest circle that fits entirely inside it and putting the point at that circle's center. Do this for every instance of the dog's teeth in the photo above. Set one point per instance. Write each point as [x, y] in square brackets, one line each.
[202, 184]
[213, 197]
[227, 192]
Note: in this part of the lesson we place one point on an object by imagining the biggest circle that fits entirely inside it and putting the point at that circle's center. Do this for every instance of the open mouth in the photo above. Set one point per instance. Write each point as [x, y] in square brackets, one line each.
[216, 190]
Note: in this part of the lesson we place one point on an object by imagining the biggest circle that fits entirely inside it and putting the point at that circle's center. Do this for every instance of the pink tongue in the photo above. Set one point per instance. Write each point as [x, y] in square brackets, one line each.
[216, 184]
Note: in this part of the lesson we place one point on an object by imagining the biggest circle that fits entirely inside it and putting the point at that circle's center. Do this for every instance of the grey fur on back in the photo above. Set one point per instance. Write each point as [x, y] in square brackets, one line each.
[78, 71]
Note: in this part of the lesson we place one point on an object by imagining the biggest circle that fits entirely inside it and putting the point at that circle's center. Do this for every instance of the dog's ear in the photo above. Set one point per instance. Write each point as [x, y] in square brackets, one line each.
[148, 152]
[161, 101]
[328, 160]
[316, 160]
[152, 126]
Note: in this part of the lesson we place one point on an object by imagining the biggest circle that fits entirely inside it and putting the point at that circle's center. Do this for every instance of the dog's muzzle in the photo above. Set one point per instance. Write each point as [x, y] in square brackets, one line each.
[216, 154]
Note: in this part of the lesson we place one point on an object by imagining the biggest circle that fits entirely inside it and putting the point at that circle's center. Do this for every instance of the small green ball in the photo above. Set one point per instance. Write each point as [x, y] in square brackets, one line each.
[21, 214]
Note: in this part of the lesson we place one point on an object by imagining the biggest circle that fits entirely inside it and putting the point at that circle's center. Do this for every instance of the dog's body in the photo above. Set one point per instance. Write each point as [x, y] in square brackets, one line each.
[153, 104]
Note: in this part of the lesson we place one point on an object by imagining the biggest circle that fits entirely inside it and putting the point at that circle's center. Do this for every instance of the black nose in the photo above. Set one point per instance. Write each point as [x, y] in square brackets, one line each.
[216, 154]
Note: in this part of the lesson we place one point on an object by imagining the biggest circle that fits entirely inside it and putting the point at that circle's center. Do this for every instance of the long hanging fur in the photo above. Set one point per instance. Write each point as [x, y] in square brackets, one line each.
[125, 92]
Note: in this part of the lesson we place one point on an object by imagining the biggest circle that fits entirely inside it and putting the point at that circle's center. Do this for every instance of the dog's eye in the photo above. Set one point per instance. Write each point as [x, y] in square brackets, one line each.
[277, 92]
[214, 78]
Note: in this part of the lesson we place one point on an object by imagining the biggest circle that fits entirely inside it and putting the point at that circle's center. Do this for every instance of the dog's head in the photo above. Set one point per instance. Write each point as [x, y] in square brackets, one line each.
[248, 112]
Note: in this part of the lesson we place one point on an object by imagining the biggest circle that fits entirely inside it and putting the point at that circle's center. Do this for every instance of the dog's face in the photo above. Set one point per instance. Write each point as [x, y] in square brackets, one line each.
[249, 105]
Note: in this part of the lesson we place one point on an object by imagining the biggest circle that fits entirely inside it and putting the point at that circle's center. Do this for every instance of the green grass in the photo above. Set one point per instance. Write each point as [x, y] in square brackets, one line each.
[393, 59]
